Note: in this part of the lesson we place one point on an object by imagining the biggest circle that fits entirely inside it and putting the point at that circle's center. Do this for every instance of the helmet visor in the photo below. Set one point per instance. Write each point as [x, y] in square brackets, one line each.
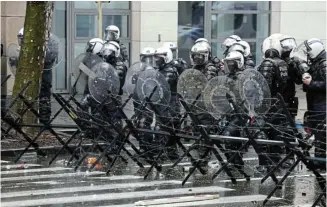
[198, 59]
[147, 60]
[231, 66]
[288, 44]
[300, 52]
[111, 35]
[160, 60]
[89, 47]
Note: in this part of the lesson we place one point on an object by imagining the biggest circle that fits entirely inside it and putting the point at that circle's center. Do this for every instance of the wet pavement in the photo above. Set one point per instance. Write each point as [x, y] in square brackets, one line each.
[33, 183]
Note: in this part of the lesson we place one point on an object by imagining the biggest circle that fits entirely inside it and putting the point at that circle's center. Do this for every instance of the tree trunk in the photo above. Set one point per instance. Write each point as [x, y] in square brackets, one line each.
[31, 58]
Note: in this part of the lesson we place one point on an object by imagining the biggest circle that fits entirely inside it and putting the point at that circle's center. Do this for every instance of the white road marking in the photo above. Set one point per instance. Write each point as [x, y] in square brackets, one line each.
[210, 163]
[88, 188]
[119, 177]
[181, 199]
[221, 200]
[50, 176]
[290, 176]
[9, 172]
[117, 196]
[16, 166]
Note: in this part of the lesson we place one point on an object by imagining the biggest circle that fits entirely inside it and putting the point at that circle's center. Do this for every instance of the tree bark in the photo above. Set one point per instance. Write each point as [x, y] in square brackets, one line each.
[31, 58]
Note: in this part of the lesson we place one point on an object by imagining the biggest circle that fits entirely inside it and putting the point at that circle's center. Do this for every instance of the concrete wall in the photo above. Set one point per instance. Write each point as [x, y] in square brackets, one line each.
[12, 19]
[302, 19]
[153, 23]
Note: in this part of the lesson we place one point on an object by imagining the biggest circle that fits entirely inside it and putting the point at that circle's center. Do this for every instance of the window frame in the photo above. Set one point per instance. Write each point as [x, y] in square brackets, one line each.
[208, 12]
[103, 14]
[71, 32]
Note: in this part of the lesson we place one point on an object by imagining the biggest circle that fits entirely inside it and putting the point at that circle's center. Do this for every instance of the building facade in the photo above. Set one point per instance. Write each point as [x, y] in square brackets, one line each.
[151, 23]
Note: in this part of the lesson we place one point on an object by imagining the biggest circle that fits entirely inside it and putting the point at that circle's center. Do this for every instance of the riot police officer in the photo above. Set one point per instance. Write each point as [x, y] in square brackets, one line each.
[147, 61]
[111, 53]
[166, 66]
[179, 63]
[244, 48]
[248, 59]
[228, 42]
[93, 46]
[288, 43]
[294, 77]
[314, 84]
[213, 59]
[274, 69]
[199, 56]
[234, 63]
[50, 59]
[112, 33]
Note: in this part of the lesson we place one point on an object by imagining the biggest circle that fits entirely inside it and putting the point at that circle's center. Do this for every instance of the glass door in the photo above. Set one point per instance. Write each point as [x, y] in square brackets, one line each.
[60, 74]
[249, 20]
[84, 20]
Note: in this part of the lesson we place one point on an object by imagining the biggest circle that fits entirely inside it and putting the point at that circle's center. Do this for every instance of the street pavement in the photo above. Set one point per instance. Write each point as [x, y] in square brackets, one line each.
[31, 182]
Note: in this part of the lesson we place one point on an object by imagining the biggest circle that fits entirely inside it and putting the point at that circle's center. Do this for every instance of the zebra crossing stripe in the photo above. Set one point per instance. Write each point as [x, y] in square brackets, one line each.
[119, 177]
[176, 200]
[117, 196]
[304, 205]
[278, 177]
[16, 166]
[210, 163]
[9, 172]
[50, 176]
[89, 188]
[221, 200]
[4, 161]
[213, 202]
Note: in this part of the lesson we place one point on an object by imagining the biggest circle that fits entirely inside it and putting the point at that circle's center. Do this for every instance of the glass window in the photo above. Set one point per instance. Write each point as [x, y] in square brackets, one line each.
[127, 45]
[61, 69]
[87, 27]
[239, 5]
[120, 21]
[79, 48]
[59, 29]
[93, 5]
[190, 25]
[247, 26]
[255, 46]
